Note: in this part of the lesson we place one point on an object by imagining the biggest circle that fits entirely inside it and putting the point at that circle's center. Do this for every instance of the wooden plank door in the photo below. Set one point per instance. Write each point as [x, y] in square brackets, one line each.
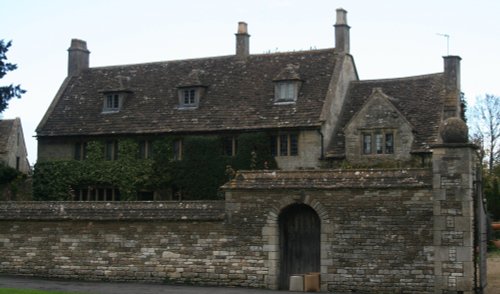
[299, 242]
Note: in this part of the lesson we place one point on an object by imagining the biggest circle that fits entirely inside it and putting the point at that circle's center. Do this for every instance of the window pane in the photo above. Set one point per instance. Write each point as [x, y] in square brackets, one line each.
[274, 146]
[109, 101]
[142, 150]
[227, 146]
[283, 145]
[379, 144]
[186, 96]
[117, 101]
[389, 143]
[294, 145]
[115, 150]
[192, 96]
[177, 150]
[289, 92]
[78, 150]
[367, 143]
[109, 150]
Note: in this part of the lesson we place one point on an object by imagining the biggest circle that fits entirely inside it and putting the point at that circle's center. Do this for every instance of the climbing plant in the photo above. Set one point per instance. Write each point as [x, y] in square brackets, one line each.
[200, 173]
[254, 152]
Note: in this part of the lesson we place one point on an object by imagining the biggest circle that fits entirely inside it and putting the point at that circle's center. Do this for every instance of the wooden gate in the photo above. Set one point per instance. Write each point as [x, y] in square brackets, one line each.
[300, 231]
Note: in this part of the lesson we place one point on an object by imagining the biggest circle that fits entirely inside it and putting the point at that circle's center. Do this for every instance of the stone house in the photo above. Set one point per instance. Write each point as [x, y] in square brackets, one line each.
[12, 145]
[413, 228]
[312, 105]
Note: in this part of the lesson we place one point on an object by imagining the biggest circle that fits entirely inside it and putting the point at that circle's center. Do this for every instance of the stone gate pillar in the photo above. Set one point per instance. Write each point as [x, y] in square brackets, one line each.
[453, 179]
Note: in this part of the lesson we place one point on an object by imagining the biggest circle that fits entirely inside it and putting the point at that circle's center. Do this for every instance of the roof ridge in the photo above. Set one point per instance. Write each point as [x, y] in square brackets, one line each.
[399, 78]
[211, 58]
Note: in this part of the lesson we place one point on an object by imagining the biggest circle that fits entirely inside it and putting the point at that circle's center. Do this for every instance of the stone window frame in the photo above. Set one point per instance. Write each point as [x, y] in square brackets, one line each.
[80, 150]
[177, 149]
[111, 150]
[145, 149]
[96, 193]
[113, 102]
[192, 100]
[229, 145]
[375, 142]
[285, 144]
[286, 91]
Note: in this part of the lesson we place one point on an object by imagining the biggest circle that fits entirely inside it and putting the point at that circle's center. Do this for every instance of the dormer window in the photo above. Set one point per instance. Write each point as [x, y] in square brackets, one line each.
[287, 84]
[286, 91]
[190, 97]
[191, 89]
[112, 102]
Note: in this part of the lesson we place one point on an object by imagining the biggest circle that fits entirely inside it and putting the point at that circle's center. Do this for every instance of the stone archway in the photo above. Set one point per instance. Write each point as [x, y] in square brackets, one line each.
[299, 230]
[271, 238]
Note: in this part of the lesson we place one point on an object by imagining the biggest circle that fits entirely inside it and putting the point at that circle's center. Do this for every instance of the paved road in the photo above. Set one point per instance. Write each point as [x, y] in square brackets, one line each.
[117, 288]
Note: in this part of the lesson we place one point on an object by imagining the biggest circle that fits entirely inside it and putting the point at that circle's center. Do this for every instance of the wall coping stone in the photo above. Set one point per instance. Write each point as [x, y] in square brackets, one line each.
[113, 211]
[332, 179]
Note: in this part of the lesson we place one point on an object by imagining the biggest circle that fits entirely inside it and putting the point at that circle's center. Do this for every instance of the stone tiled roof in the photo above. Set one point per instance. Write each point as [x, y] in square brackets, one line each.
[5, 132]
[332, 179]
[239, 95]
[420, 99]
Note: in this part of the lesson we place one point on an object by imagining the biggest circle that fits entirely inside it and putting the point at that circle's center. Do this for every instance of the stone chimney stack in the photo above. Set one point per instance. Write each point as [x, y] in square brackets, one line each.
[242, 41]
[78, 57]
[452, 106]
[342, 32]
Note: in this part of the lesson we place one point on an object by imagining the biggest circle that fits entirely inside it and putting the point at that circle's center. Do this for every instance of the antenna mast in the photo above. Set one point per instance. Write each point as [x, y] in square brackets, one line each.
[447, 42]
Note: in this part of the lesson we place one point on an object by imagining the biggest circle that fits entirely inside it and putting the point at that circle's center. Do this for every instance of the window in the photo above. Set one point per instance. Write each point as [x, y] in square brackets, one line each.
[80, 152]
[189, 97]
[112, 102]
[96, 194]
[145, 149]
[378, 142]
[177, 148]
[285, 145]
[286, 91]
[18, 161]
[111, 150]
[229, 146]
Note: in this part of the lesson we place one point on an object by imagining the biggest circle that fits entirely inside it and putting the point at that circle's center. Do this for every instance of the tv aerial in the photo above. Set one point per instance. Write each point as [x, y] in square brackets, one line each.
[447, 42]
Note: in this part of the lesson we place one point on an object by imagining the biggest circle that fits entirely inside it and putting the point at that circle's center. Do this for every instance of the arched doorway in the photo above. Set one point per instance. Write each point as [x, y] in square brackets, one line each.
[299, 227]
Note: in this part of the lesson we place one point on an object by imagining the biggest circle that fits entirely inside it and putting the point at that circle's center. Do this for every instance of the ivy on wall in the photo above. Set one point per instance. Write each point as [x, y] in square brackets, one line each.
[10, 182]
[198, 175]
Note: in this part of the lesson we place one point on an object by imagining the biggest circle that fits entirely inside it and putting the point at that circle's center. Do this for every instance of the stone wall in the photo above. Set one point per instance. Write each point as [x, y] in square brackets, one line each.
[166, 242]
[377, 235]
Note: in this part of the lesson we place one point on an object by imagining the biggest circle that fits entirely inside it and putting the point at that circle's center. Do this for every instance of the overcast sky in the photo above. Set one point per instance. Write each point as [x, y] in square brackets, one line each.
[389, 38]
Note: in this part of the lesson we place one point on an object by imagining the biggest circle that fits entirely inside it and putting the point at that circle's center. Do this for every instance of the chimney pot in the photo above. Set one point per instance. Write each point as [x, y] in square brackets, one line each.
[78, 56]
[341, 17]
[242, 27]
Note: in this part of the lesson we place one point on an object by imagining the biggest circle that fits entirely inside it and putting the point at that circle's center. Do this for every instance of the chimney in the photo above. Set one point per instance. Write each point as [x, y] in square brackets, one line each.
[78, 57]
[452, 104]
[342, 32]
[242, 41]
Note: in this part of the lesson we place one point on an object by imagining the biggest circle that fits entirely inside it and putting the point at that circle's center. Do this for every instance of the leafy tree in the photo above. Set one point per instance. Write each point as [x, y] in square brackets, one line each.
[484, 125]
[484, 121]
[10, 91]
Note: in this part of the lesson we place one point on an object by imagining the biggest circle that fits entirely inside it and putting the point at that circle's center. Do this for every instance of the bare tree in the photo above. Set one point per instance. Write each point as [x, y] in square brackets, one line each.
[484, 121]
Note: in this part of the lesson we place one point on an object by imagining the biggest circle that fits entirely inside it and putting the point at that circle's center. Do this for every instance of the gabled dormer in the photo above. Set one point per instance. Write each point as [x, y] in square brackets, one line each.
[114, 97]
[378, 132]
[113, 100]
[191, 90]
[287, 85]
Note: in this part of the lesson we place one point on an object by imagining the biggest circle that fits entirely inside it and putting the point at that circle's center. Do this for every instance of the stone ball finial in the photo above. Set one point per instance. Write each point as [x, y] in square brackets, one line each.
[454, 130]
